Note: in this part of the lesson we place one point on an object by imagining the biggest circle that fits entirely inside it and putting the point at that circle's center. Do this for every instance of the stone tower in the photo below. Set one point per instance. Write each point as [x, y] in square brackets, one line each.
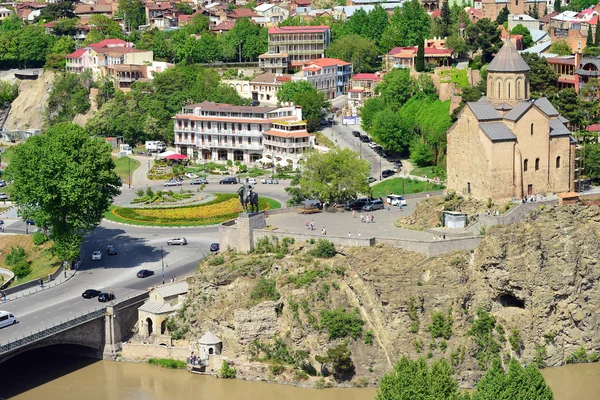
[508, 77]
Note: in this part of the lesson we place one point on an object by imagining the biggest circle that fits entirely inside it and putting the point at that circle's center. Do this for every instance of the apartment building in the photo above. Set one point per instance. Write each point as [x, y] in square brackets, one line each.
[290, 47]
[362, 87]
[328, 75]
[219, 132]
[264, 87]
[405, 57]
[573, 27]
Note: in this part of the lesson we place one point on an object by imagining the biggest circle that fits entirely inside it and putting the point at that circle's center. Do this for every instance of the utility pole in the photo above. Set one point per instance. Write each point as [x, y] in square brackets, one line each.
[129, 166]
[380, 175]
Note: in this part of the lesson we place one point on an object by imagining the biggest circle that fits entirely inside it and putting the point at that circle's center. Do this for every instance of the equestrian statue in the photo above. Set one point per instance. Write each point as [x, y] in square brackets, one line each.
[248, 198]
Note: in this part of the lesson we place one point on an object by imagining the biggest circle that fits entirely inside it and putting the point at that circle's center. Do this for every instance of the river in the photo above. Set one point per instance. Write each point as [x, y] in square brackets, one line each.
[46, 376]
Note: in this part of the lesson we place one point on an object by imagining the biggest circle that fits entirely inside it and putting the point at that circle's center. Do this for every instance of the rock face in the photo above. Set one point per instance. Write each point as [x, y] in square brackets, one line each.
[538, 279]
[27, 111]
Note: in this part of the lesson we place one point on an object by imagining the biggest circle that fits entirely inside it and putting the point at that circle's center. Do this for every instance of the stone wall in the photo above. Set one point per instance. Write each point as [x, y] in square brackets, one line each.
[515, 214]
[434, 247]
[303, 237]
[142, 352]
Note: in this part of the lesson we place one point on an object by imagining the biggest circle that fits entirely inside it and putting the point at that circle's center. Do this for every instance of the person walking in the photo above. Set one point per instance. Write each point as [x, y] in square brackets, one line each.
[306, 224]
[353, 213]
[362, 218]
[312, 225]
[372, 218]
[358, 235]
[349, 235]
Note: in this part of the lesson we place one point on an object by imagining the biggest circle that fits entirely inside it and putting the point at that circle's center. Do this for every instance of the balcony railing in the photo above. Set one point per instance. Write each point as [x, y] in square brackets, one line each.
[275, 143]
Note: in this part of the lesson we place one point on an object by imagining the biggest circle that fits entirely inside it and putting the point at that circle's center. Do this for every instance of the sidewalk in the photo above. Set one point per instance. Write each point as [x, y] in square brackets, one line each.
[63, 277]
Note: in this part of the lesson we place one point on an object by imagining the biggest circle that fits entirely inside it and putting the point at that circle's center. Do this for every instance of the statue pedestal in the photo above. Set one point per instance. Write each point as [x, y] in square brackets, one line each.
[240, 235]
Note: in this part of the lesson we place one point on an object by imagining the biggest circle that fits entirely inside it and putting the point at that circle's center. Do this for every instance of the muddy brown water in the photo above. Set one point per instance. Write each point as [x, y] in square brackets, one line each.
[76, 378]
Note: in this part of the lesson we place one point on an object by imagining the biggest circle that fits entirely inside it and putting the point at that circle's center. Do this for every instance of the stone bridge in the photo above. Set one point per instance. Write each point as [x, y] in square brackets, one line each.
[101, 331]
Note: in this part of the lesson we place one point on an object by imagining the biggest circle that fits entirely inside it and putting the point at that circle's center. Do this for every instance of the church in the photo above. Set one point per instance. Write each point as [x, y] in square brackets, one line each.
[507, 145]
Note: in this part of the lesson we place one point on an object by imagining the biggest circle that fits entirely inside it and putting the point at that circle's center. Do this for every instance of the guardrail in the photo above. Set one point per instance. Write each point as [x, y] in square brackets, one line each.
[53, 330]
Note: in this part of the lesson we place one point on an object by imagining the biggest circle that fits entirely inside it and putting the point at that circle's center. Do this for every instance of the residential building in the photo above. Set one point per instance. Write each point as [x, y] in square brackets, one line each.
[218, 132]
[587, 68]
[80, 33]
[85, 11]
[328, 75]
[29, 11]
[5, 13]
[507, 145]
[223, 27]
[273, 13]
[264, 87]
[291, 46]
[161, 15]
[522, 19]
[362, 87]
[565, 67]
[404, 57]
[491, 8]
[573, 27]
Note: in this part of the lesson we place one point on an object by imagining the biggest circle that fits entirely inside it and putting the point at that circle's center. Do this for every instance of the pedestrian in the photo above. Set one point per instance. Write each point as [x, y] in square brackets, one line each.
[3, 297]
[358, 235]
[362, 218]
[312, 225]
[372, 218]
[353, 213]
[349, 235]
[307, 224]
[444, 237]
[175, 278]
[41, 282]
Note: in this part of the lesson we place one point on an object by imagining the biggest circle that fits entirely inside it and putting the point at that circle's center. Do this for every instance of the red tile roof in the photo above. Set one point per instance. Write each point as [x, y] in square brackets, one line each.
[436, 13]
[366, 77]
[429, 51]
[223, 26]
[593, 128]
[593, 20]
[298, 29]
[77, 53]
[243, 13]
[93, 9]
[109, 42]
[326, 62]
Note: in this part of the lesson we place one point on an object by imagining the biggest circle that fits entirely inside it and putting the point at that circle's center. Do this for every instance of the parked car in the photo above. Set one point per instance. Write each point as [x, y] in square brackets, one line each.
[356, 133]
[1, 222]
[96, 255]
[3, 196]
[105, 297]
[111, 250]
[214, 247]
[90, 294]
[29, 222]
[191, 175]
[331, 121]
[394, 199]
[180, 241]
[357, 204]
[387, 173]
[144, 273]
[373, 145]
[365, 139]
[251, 181]
[173, 182]
[270, 181]
[371, 179]
[373, 205]
[228, 181]
[2, 183]
[255, 103]
[7, 319]
[199, 181]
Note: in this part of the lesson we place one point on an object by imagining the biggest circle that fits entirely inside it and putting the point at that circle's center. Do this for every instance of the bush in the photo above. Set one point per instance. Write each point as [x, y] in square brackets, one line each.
[277, 369]
[167, 363]
[265, 289]
[341, 324]
[369, 337]
[217, 260]
[39, 238]
[227, 372]
[324, 249]
[441, 325]
[300, 375]
[16, 254]
[515, 340]
[21, 269]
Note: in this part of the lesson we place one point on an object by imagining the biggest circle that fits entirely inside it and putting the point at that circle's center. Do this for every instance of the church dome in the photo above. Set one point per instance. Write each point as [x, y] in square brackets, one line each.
[508, 59]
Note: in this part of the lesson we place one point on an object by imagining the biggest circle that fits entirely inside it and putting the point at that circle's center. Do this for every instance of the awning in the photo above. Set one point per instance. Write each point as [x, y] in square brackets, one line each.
[176, 157]
[264, 160]
[166, 154]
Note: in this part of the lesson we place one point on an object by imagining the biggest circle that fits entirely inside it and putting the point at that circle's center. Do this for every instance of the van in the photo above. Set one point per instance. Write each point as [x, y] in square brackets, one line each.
[7, 319]
[394, 199]
[373, 205]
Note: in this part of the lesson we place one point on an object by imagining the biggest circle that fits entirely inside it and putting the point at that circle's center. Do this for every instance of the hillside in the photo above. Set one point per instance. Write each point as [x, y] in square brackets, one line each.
[27, 111]
[530, 290]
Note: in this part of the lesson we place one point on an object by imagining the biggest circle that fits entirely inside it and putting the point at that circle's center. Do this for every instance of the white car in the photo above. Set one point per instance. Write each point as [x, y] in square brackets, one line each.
[395, 199]
[172, 182]
[3, 196]
[251, 181]
[373, 145]
[190, 175]
[97, 255]
[179, 241]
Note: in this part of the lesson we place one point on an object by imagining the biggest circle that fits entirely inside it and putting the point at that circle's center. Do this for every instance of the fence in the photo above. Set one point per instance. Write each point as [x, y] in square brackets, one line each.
[230, 64]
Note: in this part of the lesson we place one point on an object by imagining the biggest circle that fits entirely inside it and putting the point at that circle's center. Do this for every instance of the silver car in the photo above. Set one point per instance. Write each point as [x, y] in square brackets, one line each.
[179, 241]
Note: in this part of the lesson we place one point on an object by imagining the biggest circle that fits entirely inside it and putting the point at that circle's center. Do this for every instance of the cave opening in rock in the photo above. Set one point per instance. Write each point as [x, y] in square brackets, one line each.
[508, 300]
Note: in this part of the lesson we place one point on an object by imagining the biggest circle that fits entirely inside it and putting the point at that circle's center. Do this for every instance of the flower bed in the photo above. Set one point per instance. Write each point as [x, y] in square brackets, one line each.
[222, 208]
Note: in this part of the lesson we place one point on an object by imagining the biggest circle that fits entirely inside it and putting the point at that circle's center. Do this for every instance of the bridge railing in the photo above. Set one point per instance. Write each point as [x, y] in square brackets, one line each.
[53, 330]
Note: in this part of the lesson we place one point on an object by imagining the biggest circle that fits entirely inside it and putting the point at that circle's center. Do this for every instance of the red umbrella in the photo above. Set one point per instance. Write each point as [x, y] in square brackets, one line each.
[176, 157]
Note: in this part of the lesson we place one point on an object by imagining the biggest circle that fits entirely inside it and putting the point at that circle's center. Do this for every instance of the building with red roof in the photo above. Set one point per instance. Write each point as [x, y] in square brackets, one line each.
[223, 27]
[328, 75]
[404, 57]
[362, 86]
[573, 27]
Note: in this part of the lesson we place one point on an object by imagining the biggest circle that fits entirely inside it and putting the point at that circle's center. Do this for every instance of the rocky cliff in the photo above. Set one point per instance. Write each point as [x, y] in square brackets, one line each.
[27, 111]
[530, 291]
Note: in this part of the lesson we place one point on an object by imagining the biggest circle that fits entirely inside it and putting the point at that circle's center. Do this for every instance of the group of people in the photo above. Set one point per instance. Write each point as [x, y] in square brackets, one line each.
[194, 360]
[493, 212]
[311, 226]
[531, 199]
[173, 279]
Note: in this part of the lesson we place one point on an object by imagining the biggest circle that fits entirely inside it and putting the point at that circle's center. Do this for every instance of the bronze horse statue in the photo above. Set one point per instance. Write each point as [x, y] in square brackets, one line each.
[248, 198]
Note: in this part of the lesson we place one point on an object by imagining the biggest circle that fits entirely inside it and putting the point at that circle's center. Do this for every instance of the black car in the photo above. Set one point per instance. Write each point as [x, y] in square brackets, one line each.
[30, 222]
[214, 247]
[105, 297]
[144, 273]
[110, 250]
[356, 133]
[254, 103]
[371, 179]
[228, 181]
[90, 294]
[357, 204]
[387, 173]
[365, 139]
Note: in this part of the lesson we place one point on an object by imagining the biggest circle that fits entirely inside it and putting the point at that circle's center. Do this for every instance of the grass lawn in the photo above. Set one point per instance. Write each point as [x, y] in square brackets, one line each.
[403, 186]
[323, 140]
[41, 259]
[122, 167]
[7, 154]
[223, 208]
[430, 172]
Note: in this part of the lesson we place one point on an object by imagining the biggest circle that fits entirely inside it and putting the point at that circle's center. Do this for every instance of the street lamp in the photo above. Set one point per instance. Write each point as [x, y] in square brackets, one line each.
[129, 166]
[162, 262]
[380, 174]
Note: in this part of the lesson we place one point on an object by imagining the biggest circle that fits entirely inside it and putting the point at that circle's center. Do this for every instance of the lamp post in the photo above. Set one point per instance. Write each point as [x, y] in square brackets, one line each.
[380, 175]
[129, 166]
[162, 262]
[240, 51]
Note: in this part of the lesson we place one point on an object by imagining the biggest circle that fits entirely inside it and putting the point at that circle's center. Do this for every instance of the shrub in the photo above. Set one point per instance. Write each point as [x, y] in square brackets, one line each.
[540, 356]
[418, 343]
[441, 325]
[307, 277]
[369, 337]
[265, 289]
[217, 260]
[300, 375]
[277, 369]
[515, 340]
[443, 346]
[413, 315]
[482, 331]
[167, 363]
[39, 238]
[341, 324]
[21, 269]
[324, 249]
[16, 254]
[227, 372]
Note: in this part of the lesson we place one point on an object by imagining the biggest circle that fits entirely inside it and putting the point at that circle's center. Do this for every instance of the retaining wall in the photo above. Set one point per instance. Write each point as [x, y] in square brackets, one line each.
[142, 352]
[434, 247]
[303, 237]
[8, 277]
[515, 214]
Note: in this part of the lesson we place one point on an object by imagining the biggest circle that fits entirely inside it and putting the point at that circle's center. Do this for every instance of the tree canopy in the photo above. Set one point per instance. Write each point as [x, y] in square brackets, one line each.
[132, 12]
[561, 47]
[302, 93]
[69, 96]
[542, 78]
[338, 175]
[519, 29]
[406, 25]
[485, 36]
[65, 181]
[361, 52]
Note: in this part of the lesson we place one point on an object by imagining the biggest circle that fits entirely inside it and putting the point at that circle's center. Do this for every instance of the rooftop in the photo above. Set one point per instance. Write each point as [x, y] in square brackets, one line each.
[508, 59]
[366, 77]
[210, 106]
[271, 78]
[209, 338]
[298, 29]
[172, 289]
[326, 62]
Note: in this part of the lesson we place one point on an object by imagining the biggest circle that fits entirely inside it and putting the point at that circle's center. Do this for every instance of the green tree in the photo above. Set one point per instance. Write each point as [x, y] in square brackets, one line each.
[485, 36]
[106, 90]
[361, 52]
[590, 38]
[337, 175]
[557, 6]
[105, 28]
[388, 130]
[8, 93]
[302, 93]
[65, 181]
[10, 23]
[592, 160]
[369, 110]
[446, 19]
[406, 25]
[542, 78]
[132, 12]
[33, 45]
[561, 47]
[339, 357]
[521, 30]
[53, 11]
[396, 88]
[65, 26]
[503, 15]
[239, 38]
[597, 36]
[458, 44]
[420, 59]
[69, 96]
[184, 8]
[568, 104]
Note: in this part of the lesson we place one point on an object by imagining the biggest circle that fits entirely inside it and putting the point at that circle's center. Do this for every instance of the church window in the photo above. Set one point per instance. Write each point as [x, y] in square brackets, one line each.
[531, 129]
[537, 164]
[518, 89]
[525, 165]
[558, 162]
[498, 94]
[508, 90]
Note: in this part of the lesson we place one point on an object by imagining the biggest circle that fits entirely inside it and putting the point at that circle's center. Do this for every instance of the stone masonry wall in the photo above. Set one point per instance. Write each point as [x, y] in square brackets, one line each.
[142, 352]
